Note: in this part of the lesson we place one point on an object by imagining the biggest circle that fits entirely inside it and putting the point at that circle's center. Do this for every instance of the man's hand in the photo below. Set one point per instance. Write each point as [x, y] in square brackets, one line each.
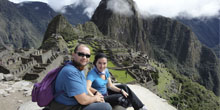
[99, 97]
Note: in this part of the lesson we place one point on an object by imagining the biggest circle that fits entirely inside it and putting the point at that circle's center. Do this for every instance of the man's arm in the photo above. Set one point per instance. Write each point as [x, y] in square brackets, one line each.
[85, 99]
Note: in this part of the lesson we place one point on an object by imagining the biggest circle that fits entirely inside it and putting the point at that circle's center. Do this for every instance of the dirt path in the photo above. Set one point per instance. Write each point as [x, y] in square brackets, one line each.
[13, 101]
[13, 94]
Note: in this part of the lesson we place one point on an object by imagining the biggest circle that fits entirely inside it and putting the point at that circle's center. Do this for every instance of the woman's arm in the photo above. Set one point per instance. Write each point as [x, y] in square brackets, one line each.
[116, 89]
[112, 86]
[91, 91]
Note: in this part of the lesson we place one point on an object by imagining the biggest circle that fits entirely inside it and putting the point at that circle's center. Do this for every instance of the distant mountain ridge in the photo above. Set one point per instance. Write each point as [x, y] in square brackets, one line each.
[23, 25]
[15, 28]
[207, 31]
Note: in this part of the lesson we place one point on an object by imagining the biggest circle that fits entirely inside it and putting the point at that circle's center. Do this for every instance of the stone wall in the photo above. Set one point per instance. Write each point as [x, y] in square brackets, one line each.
[24, 68]
[29, 62]
[56, 62]
[46, 56]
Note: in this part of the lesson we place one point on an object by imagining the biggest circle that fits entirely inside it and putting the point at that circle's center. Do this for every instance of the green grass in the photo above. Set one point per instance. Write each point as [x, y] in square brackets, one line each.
[164, 79]
[110, 64]
[121, 76]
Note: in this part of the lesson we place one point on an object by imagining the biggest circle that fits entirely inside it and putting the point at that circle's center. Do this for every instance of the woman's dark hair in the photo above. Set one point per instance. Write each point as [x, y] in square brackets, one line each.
[98, 56]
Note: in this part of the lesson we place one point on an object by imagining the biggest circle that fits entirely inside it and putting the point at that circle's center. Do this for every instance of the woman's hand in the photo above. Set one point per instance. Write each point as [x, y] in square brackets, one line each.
[99, 98]
[124, 93]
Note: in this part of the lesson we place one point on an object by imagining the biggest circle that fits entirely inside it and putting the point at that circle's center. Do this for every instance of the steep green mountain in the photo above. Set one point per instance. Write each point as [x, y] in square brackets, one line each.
[164, 39]
[23, 25]
[206, 29]
[15, 29]
[59, 26]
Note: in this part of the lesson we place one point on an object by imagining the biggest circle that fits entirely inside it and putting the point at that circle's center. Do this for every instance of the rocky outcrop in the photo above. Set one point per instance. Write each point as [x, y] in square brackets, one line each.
[126, 28]
[165, 39]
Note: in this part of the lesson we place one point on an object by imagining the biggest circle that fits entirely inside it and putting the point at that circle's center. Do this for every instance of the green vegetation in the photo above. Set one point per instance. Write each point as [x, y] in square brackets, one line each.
[110, 64]
[183, 93]
[193, 96]
[165, 79]
[122, 76]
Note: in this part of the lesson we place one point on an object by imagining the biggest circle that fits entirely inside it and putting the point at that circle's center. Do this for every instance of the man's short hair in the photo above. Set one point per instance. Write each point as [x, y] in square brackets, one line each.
[76, 48]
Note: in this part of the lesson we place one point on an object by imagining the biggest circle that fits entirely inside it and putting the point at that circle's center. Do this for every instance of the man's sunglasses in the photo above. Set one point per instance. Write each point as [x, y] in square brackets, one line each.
[82, 54]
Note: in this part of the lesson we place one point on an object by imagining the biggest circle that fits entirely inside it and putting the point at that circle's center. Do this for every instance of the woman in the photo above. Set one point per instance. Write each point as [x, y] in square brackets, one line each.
[98, 80]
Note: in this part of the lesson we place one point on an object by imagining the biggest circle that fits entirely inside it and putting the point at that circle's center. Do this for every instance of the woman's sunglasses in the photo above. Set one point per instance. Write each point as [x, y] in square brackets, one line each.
[82, 54]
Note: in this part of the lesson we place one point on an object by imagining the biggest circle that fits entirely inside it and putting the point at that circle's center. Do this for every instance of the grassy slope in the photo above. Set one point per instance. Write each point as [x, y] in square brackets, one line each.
[181, 92]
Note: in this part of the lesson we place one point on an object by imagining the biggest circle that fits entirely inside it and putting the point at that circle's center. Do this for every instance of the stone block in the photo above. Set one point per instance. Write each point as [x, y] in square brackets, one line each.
[8, 77]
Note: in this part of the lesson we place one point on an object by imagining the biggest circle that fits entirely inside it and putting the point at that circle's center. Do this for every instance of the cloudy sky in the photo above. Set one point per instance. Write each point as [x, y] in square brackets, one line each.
[168, 8]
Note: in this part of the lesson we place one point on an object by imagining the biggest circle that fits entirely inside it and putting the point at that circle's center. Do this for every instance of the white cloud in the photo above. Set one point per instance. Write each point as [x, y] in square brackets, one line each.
[90, 5]
[58, 5]
[168, 8]
[18, 1]
[120, 6]
[173, 8]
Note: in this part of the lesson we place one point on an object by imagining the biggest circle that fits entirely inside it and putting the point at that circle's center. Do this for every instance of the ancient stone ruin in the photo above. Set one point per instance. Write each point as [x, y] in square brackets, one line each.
[26, 64]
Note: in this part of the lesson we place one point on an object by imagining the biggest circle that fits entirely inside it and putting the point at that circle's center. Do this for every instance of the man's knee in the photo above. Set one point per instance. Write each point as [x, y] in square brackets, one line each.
[107, 106]
[98, 106]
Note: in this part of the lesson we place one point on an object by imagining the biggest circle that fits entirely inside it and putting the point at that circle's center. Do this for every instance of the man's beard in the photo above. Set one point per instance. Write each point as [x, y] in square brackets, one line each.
[78, 65]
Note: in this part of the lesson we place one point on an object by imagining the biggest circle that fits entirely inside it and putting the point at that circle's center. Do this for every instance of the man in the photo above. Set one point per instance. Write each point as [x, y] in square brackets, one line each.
[71, 84]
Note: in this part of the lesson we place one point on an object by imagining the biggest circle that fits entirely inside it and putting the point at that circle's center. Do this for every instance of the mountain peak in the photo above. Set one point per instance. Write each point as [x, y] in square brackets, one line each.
[55, 31]
[121, 24]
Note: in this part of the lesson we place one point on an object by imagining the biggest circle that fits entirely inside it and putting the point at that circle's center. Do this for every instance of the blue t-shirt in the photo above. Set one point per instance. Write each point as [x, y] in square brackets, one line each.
[97, 82]
[73, 82]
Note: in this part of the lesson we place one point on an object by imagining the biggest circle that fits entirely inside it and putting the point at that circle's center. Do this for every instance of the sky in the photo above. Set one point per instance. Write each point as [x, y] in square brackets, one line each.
[167, 8]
